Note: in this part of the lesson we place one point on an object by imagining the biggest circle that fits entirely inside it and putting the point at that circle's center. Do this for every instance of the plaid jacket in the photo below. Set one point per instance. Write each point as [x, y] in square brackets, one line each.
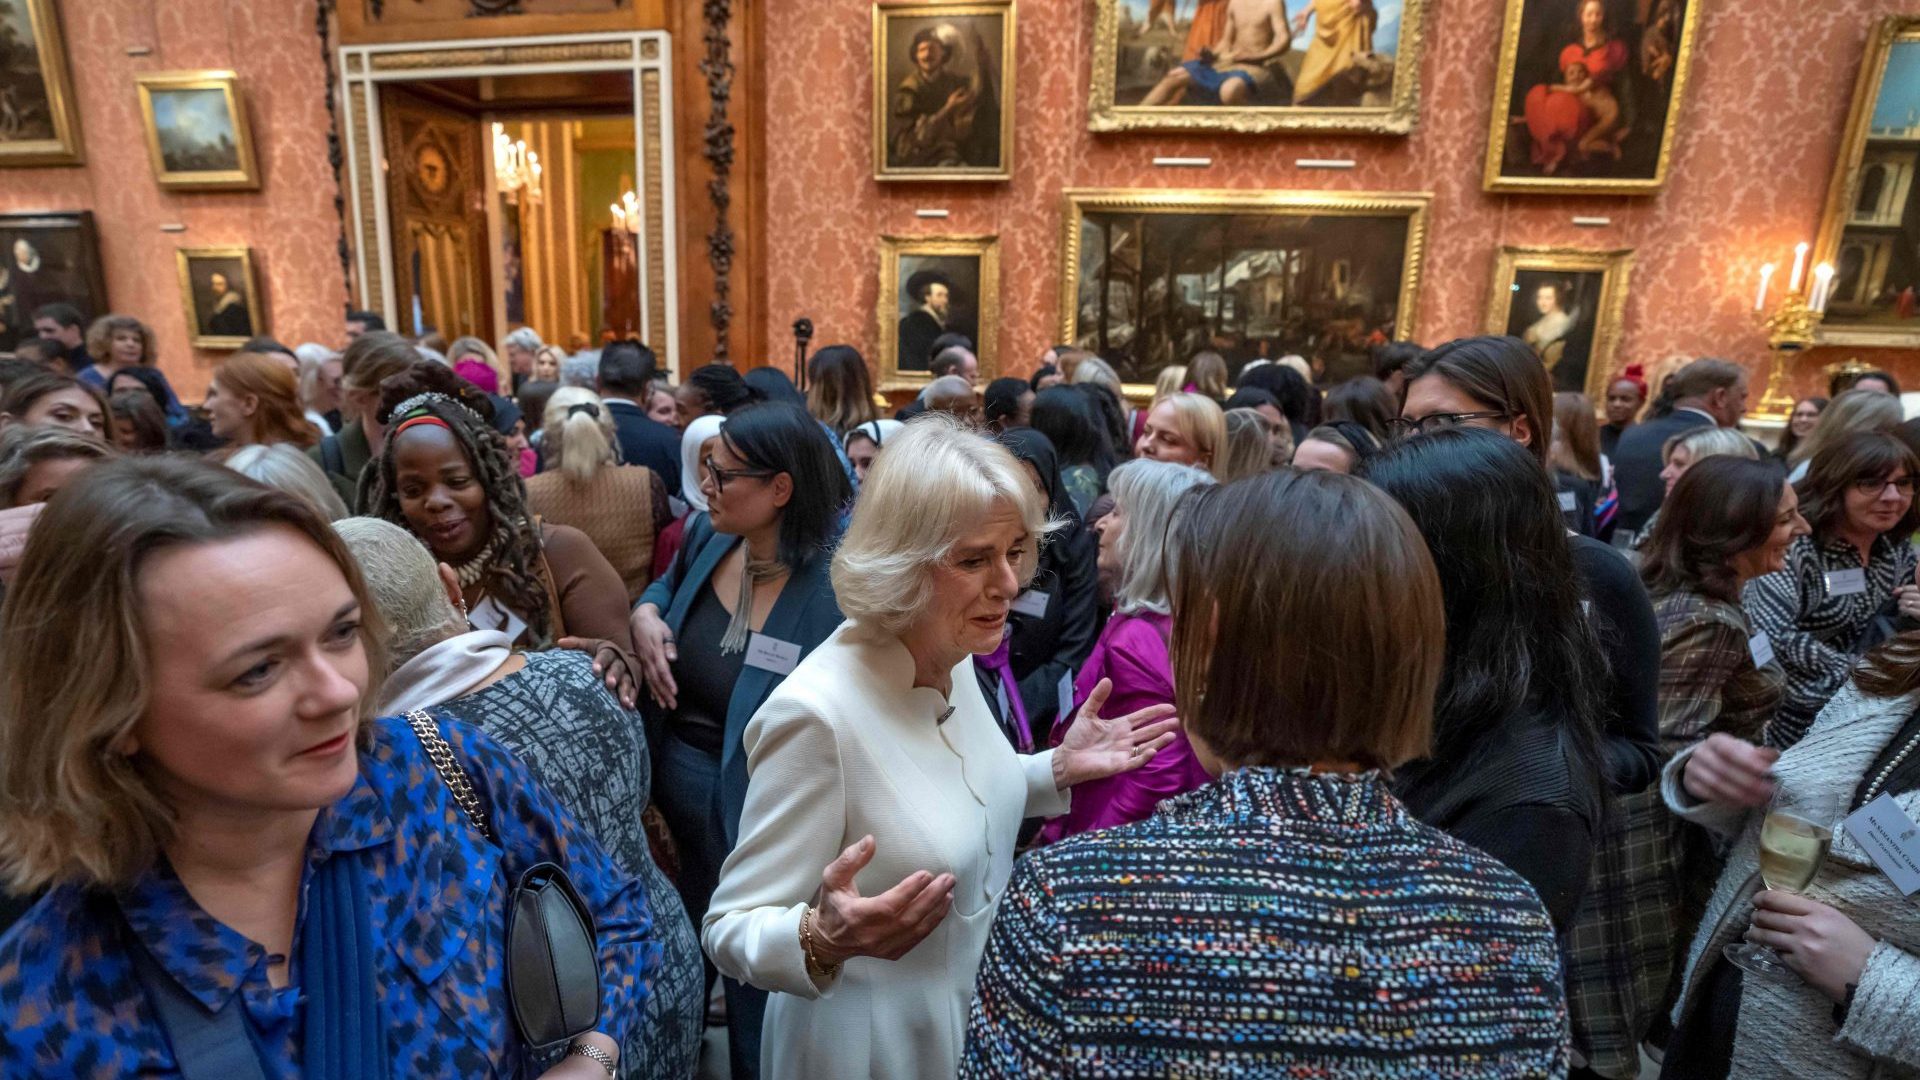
[1647, 887]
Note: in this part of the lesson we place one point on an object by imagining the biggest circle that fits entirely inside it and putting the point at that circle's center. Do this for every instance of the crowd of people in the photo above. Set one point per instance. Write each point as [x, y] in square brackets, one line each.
[1427, 724]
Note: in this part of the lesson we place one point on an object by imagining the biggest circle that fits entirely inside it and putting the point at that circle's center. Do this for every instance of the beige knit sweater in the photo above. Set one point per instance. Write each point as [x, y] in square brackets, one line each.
[1788, 1031]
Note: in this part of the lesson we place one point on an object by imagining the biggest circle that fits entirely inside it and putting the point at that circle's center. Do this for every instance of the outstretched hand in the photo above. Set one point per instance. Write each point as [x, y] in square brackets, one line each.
[1096, 746]
[887, 926]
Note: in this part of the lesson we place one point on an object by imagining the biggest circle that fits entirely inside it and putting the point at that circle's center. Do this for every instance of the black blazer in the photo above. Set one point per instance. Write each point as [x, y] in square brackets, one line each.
[1637, 464]
[645, 441]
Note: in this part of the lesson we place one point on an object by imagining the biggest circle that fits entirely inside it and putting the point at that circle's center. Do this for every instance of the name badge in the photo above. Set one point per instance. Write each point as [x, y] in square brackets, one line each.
[1846, 582]
[1623, 538]
[772, 654]
[1032, 602]
[1065, 694]
[489, 615]
[1890, 839]
[1569, 502]
[1761, 648]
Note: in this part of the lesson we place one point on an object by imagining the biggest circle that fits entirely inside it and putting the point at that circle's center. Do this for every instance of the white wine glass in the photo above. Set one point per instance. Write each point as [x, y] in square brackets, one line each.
[1794, 840]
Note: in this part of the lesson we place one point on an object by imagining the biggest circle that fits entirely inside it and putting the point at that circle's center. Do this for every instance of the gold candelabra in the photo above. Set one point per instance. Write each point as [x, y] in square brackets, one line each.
[1790, 327]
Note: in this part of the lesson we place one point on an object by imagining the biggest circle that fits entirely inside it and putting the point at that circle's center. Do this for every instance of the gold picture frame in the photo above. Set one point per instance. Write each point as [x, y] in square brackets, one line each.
[212, 322]
[1404, 214]
[55, 136]
[1396, 116]
[1507, 136]
[219, 157]
[895, 74]
[1590, 284]
[902, 259]
[1858, 240]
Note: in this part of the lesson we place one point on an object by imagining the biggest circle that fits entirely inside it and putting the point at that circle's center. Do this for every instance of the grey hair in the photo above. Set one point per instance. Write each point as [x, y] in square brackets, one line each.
[286, 467]
[582, 369]
[311, 357]
[404, 582]
[1148, 492]
[934, 480]
[23, 446]
[524, 338]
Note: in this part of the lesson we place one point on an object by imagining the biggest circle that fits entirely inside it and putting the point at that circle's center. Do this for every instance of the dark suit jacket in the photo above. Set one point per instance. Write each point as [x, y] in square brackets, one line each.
[646, 441]
[1637, 464]
[805, 615]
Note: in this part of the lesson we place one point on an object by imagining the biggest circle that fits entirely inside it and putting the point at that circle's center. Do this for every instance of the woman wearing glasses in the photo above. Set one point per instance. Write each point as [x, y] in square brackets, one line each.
[1824, 610]
[747, 596]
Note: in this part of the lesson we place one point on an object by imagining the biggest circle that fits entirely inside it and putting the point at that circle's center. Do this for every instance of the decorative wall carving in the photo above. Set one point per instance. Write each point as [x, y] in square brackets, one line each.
[717, 67]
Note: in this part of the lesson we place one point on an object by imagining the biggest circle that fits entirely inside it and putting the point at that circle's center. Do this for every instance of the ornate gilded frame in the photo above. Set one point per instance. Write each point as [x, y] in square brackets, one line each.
[1006, 89]
[1844, 185]
[65, 148]
[1414, 206]
[1613, 268]
[244, 178]
[1397, 118]
[646, 56]
[1499, 126]
[256, 305]
[887, 314]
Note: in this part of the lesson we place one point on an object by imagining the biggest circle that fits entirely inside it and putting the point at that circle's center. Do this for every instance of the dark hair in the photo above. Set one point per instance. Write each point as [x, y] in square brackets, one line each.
[1893, 384]
[1289, 390]
[13, 369]
[141, 411]
[374, 357]
[1394, 356]
[781, 437]
[840, 389]
[1001, 402]
[919, 282]
[63, 313]
[948, 361]
[1070, 420]
[1365, 401]
[1042, 372]
[264, 344]
[45, 350]
[1863, 455]
[1517, 640]
[149, 380]
[30, 387]
[533, 401]
[723, 388]
[625, 369]
[1252, 397]
[1503, 373]
[514, 572]
[1113, 416]
[1696, 380]
[772, 384]
[1718, 509]
[1789, 441]
[369, 320]
[1305, 564]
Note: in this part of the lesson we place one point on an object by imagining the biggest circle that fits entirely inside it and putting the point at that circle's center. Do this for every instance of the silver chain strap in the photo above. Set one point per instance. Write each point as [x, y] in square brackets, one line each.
[451, 771]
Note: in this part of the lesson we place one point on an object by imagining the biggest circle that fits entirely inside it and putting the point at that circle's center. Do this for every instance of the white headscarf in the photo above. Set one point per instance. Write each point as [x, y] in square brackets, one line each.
[696, 435]
[876, 431]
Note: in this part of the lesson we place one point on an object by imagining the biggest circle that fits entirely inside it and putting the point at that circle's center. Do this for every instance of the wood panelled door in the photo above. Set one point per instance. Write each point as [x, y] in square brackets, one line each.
[436, 201]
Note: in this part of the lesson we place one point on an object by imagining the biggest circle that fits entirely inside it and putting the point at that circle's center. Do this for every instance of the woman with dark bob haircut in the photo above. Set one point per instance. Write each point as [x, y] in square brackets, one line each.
[1516, 767]
[235, 851]
[1073, 424]
[1214, 917]
[1826, 609]
[1727, 521]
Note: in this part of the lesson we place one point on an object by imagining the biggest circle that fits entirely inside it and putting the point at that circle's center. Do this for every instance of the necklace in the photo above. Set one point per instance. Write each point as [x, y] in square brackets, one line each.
[475, 568]
[1880, 778]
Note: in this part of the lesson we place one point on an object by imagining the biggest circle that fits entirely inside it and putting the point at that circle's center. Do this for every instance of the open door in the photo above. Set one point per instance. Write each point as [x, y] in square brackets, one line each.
[436, 194]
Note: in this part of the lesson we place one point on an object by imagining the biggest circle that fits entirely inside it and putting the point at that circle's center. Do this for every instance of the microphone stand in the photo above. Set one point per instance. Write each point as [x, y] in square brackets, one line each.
[802, 337]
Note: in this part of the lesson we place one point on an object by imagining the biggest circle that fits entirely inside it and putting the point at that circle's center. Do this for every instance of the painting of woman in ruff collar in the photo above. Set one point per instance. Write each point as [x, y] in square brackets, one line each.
[943, 84]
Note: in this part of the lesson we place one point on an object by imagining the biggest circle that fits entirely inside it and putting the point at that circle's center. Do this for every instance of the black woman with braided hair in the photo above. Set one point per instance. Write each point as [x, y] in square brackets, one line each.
[449, 478]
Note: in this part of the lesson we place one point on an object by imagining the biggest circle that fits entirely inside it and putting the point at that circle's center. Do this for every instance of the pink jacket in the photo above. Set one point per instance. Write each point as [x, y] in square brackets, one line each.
[1132, 651]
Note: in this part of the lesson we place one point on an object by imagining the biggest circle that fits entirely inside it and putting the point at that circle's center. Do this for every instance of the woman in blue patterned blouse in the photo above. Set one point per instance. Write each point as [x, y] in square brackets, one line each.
[1291, 918]
[237, 859]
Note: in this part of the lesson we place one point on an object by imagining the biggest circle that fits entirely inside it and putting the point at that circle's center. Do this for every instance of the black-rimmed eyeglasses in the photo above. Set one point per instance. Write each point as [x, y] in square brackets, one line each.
[1400, 427]
[721, 476]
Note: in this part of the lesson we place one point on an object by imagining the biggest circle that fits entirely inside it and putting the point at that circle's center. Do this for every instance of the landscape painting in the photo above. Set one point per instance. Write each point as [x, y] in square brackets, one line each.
[39, 124]
[197, 133]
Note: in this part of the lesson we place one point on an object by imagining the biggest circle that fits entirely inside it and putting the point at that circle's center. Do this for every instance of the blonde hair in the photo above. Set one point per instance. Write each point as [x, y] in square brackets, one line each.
[1149, 491]
[1169, 382]
[280, 465]
[1855, 410]
[100, 337]
[1201, 422]
[73, 807]
[934, 480]
[1709, 442]
[578, 443]
[473, 346]
[1248, 450]
[1095, 370]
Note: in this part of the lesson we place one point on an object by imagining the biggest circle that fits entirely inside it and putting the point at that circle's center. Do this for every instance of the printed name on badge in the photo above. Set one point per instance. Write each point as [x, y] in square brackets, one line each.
[1846, 582]
[1890, 839]
[772, 654]
[1032, 603]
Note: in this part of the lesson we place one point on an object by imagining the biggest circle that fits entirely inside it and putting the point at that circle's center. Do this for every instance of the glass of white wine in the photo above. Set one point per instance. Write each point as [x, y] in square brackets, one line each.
[1794, 840]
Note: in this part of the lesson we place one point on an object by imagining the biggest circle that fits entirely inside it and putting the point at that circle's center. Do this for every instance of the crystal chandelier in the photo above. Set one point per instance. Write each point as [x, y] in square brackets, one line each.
[516, 169]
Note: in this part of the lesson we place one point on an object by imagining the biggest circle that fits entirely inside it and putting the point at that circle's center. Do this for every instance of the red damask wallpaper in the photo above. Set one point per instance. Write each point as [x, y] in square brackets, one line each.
[1755, 147]
[290, 222]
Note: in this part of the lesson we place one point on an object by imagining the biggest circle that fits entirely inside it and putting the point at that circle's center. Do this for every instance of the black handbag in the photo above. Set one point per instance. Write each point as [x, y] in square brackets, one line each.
[553, 957]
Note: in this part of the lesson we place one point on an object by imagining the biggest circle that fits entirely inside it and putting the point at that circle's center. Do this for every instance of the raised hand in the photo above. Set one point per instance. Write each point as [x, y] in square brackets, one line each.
[1730, 771]
[1096, 746]
[888, 926]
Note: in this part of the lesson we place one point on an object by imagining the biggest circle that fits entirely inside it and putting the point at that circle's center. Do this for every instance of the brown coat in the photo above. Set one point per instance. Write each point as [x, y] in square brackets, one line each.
[616, 510]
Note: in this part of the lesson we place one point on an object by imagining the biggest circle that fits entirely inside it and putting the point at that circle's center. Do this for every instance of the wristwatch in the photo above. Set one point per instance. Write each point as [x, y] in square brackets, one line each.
[588, 1050]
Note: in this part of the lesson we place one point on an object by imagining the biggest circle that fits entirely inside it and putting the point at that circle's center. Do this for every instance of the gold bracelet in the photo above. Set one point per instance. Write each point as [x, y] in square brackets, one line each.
[815, 969]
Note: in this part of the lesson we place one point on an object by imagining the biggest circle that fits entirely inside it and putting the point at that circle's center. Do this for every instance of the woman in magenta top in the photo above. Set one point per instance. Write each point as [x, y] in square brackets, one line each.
[1132, 650]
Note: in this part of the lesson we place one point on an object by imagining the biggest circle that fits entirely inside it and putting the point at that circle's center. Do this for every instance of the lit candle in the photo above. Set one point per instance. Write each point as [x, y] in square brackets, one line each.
[619, 217]
[1766, 276]
[1822, 286]
[1799, 265]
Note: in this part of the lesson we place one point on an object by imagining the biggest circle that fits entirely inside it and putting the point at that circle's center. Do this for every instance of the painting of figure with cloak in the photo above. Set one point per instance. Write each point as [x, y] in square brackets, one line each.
[943, 105]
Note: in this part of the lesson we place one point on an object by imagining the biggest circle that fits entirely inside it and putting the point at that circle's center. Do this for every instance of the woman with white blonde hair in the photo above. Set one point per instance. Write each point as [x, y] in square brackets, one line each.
[1186, 429]
[283, 466]
[621, 508]
[878, 758]
[319, 378]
